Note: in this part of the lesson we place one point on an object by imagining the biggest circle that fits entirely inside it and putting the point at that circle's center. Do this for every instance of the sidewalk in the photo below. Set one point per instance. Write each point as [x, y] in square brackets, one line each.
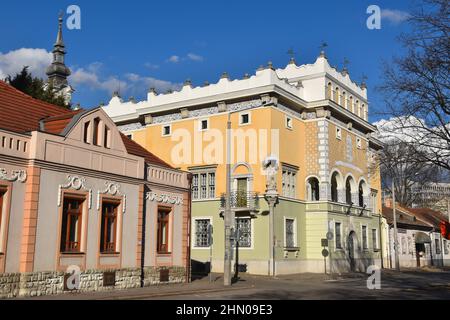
[197, 286]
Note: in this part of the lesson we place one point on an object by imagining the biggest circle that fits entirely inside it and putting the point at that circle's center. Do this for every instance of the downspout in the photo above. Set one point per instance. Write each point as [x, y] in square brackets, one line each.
[381, 242]
[189, 240]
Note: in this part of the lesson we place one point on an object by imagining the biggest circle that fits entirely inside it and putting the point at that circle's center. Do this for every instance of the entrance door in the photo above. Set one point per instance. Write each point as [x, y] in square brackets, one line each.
[420, 248]
[351, 251]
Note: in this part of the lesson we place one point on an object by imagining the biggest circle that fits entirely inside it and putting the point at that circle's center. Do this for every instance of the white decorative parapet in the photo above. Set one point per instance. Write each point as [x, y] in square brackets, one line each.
[167, 176]
[16, 175]
[164, 198]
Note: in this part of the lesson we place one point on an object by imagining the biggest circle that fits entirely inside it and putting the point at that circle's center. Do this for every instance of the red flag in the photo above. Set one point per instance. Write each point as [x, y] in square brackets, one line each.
[445, 229]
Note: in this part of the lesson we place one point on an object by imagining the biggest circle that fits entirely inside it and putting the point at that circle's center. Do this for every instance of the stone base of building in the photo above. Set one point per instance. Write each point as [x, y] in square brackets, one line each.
[35, 284]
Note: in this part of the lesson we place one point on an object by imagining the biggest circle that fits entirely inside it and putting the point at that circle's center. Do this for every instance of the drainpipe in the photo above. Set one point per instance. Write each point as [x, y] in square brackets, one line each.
[188, 255]
[381, 242]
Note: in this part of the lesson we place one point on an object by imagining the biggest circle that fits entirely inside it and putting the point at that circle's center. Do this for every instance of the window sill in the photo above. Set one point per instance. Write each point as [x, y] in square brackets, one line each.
[291, 249]
[67, 254]
[109, 254]
[162, 254]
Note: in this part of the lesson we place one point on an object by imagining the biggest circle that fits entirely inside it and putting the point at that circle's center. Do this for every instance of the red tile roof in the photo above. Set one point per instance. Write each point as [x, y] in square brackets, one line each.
[21, 113]
[135, 149]
[429, 215]
[403, 217]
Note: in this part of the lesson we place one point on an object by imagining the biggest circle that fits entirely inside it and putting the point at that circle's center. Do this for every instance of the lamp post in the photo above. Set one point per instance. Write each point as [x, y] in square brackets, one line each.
[397, 259]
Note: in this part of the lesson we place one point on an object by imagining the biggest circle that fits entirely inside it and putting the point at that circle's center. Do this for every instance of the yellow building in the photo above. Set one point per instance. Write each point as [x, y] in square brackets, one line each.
[314, 121]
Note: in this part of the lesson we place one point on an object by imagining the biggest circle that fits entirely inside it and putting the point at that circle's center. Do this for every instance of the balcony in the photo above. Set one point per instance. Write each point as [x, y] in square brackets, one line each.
[241, 201]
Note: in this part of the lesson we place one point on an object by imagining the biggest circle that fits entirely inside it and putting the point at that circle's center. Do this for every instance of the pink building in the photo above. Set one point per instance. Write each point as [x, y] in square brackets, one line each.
[76, 194]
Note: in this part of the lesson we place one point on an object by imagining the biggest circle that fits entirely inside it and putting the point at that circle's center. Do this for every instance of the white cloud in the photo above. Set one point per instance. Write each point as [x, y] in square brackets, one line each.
[139, 84]
[88, 77]
[14, 61]
[174, 59]
[394, 16]
[195, 57]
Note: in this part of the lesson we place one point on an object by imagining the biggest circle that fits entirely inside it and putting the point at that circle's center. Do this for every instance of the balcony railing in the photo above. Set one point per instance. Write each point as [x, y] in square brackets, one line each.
[241, 200]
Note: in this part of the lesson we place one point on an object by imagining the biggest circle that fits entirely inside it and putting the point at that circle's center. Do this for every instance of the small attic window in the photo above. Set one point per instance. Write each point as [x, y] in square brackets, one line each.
[96, 140]
[86, 132]
[107, 138]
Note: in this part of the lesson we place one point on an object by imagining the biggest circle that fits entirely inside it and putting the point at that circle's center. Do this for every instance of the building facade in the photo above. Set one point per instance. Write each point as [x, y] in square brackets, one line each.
[419, 240]
[313, 121]
[79, 198]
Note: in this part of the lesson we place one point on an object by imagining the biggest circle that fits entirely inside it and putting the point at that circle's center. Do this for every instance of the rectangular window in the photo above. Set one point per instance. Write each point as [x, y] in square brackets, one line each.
[364, 237]
[438, 246]
[71, 225]
[166, 130]
[359, 143]
[289, 123]
[290, 233]
[203, 185]
[375, 239]
[163, 231]
[108, 232]
[212, 185]
[202, 239]
[337, 231]
[445, 247]
[338, 133]
[244, 118]
[289, 182]
[244, 229]
[203, 125]
[195, 186]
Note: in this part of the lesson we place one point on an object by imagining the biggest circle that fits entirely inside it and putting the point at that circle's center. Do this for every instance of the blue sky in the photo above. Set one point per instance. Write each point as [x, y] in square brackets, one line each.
[162, 43]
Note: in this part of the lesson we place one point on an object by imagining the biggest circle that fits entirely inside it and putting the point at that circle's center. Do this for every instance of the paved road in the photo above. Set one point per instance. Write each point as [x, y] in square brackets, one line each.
[411, 284]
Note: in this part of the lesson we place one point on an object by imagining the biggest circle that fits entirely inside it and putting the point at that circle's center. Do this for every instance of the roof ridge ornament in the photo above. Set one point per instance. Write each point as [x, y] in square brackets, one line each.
[322, 47]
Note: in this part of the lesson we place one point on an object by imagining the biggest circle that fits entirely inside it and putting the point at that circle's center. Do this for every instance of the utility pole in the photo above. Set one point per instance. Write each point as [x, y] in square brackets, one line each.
[228, 214]
[397, 259]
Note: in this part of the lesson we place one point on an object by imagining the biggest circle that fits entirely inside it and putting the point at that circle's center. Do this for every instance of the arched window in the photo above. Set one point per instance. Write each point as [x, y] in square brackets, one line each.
[96, 133]
[350, 106]
[349, 189]
[334, 187]
[357, 109]
[313, 189]
[336, 95]
[329, 91]
[344, 100]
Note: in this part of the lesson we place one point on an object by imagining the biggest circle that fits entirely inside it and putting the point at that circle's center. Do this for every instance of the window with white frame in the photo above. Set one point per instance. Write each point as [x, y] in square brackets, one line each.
[290, 233]
[338, 235]
[203, 185]
[446, 247]
[244, 118]
[289, 182]
[244, 229]
[202, 238]
[359, 143]
[289, 122]
[338, 133]
[437, 246]
[364, 237]
[203, 125]
[166, 130]
[375, 239]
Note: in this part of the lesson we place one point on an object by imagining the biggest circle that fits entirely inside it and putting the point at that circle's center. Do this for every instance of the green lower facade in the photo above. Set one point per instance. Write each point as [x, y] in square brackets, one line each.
[299, 230]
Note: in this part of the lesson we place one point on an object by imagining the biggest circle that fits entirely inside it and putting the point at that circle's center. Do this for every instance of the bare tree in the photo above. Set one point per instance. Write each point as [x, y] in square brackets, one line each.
[400, 164]
[416, 86]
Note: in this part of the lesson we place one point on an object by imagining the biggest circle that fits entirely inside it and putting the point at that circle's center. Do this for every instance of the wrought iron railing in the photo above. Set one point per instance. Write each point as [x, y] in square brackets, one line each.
[241, 200]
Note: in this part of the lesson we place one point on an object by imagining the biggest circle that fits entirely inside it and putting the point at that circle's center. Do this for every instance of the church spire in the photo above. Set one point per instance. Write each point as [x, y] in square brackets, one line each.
[58, 72]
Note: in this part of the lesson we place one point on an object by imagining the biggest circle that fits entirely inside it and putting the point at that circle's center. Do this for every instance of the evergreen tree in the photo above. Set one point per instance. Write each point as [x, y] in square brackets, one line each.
[35, 87]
